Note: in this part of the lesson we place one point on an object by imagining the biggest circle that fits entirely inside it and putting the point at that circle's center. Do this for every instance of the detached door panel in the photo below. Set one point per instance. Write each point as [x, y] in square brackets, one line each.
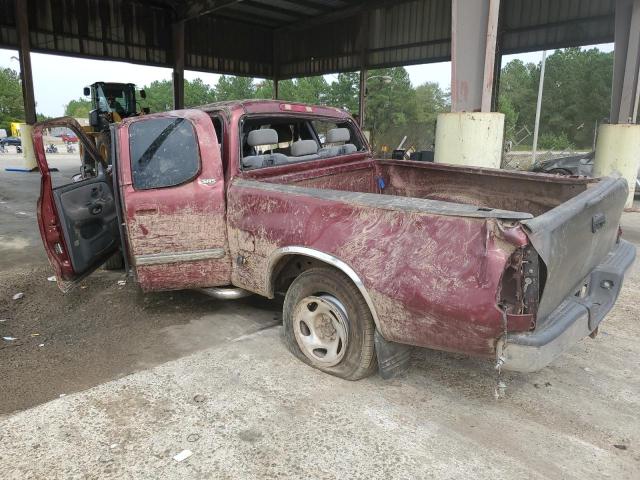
[174, 198]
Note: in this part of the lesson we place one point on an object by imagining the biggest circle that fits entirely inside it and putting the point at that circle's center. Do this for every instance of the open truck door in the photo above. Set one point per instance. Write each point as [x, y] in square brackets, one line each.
[78, 220]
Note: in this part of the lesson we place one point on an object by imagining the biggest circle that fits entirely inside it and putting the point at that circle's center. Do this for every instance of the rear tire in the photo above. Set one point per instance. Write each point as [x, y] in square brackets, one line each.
[328, 324]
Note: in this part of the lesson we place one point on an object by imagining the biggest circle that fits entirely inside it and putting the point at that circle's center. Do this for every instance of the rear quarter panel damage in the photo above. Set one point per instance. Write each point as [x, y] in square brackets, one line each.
[433, 279]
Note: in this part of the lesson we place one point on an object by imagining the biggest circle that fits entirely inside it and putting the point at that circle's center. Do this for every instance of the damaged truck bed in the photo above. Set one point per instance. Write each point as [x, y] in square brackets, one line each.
[275, 198]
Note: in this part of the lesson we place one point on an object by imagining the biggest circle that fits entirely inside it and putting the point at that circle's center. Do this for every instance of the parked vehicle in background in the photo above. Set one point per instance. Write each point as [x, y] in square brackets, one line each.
[581, 164]
[69, 138]
[11, 141]
[370, 255]
[51, 148]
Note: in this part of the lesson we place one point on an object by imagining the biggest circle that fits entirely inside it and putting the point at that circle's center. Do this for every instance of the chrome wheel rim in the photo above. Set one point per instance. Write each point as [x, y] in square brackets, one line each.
[320, 328]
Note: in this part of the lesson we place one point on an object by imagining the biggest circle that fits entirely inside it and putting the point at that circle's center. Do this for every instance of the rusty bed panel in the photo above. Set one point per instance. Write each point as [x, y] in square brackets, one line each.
[433, 278]
[524, 192]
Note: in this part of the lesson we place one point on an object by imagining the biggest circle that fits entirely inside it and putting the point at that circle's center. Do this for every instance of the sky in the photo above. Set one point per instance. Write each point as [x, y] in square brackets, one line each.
[58, 79]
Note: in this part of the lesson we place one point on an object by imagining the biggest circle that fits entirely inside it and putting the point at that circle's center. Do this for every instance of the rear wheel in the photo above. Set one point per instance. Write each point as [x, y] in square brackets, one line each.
[328, 325]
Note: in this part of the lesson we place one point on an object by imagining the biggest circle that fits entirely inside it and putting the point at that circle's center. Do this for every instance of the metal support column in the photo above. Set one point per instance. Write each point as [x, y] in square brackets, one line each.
[362, 97]
[474, 33]
[363, 40]
[24, 52]
[626, 69]
[178, 65]
[275, 66]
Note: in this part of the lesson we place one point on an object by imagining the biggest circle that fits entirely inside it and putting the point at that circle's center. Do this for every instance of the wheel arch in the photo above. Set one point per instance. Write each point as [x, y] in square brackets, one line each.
[279, 259]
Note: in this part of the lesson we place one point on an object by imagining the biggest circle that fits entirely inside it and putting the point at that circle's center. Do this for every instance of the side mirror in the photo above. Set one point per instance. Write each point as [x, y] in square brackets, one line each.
[143, 94]
[94, 118]
[87, 91]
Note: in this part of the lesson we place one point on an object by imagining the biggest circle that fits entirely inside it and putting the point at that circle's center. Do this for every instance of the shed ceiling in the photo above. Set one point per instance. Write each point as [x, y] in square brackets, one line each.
[292, 38]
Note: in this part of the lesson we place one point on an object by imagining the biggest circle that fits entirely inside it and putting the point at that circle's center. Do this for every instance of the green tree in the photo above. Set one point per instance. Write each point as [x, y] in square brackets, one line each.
[197, 93]
[234, 88]
[343, 93]
[77, 108]
[159, 95]
[430, 101]
[390, 107]
[11, 107]
[264, 89]
[312, 90]
[577, 94]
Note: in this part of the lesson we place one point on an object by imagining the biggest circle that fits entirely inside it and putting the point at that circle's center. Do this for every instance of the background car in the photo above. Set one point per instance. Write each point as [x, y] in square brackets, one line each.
[573, 165]
[11, 141]
[69, 138]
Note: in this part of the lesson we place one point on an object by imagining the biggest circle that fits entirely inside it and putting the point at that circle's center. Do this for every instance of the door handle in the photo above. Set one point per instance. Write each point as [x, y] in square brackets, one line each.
[146, 210]
[95, 209]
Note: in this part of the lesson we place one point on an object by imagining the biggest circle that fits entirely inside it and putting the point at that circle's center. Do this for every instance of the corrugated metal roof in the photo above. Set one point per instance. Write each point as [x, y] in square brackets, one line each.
[292, 37]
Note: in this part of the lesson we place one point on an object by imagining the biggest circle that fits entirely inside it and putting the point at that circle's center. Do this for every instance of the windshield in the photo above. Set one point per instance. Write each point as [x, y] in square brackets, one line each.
[116, 97]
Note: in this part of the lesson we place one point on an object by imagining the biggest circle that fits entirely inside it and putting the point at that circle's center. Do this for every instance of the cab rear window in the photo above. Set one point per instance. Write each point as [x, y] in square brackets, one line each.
[164, 152]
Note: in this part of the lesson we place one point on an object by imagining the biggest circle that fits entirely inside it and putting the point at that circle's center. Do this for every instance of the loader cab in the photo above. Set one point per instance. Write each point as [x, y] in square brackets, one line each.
[111, 102]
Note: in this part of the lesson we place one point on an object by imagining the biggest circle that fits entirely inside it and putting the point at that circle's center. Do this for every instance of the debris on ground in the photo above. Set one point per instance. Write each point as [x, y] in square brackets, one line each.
[2, 320]
[52, 278]
[18, 296]
[183, 455]
[199, 398]
[122, 283]
[41, 345]
[499, 390]
[9, 339]
[620, 446]
[193, 437]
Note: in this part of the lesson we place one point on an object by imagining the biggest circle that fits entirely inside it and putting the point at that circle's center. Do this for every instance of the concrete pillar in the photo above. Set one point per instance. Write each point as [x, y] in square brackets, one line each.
[618, 143]
[474, 34]
[618, 151]
[625, 92]
[27, 148]
[466, 138]
[178, 65]
[472, 134]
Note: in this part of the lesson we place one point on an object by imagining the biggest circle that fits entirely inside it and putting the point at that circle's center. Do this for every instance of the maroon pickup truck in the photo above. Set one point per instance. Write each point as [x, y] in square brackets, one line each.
[371, 255]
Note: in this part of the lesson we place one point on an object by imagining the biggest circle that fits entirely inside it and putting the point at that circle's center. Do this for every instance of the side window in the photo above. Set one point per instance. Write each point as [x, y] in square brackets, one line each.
[164, 152]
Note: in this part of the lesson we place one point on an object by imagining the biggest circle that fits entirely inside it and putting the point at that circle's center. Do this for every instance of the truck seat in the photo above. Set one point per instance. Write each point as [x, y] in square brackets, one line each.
[304, 150]
[260, 138]
[335, 137]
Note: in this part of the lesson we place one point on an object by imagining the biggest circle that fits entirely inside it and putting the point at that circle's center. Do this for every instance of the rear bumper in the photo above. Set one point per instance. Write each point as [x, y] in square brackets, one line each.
[574, 319]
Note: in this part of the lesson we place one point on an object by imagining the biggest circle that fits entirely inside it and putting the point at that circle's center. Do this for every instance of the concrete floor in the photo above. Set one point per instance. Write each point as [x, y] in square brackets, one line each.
[247, 409]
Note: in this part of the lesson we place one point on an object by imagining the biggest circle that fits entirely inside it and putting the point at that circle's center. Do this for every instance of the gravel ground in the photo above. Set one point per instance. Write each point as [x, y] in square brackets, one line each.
[248, 409]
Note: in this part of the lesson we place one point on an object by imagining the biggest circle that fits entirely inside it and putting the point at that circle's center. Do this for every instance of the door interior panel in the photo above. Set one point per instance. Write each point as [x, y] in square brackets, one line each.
[89, 221]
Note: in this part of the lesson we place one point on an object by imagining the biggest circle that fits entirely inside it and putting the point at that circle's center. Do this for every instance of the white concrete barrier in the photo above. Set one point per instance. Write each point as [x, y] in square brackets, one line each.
[27, 147]
[618, 150]
[473, 139]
